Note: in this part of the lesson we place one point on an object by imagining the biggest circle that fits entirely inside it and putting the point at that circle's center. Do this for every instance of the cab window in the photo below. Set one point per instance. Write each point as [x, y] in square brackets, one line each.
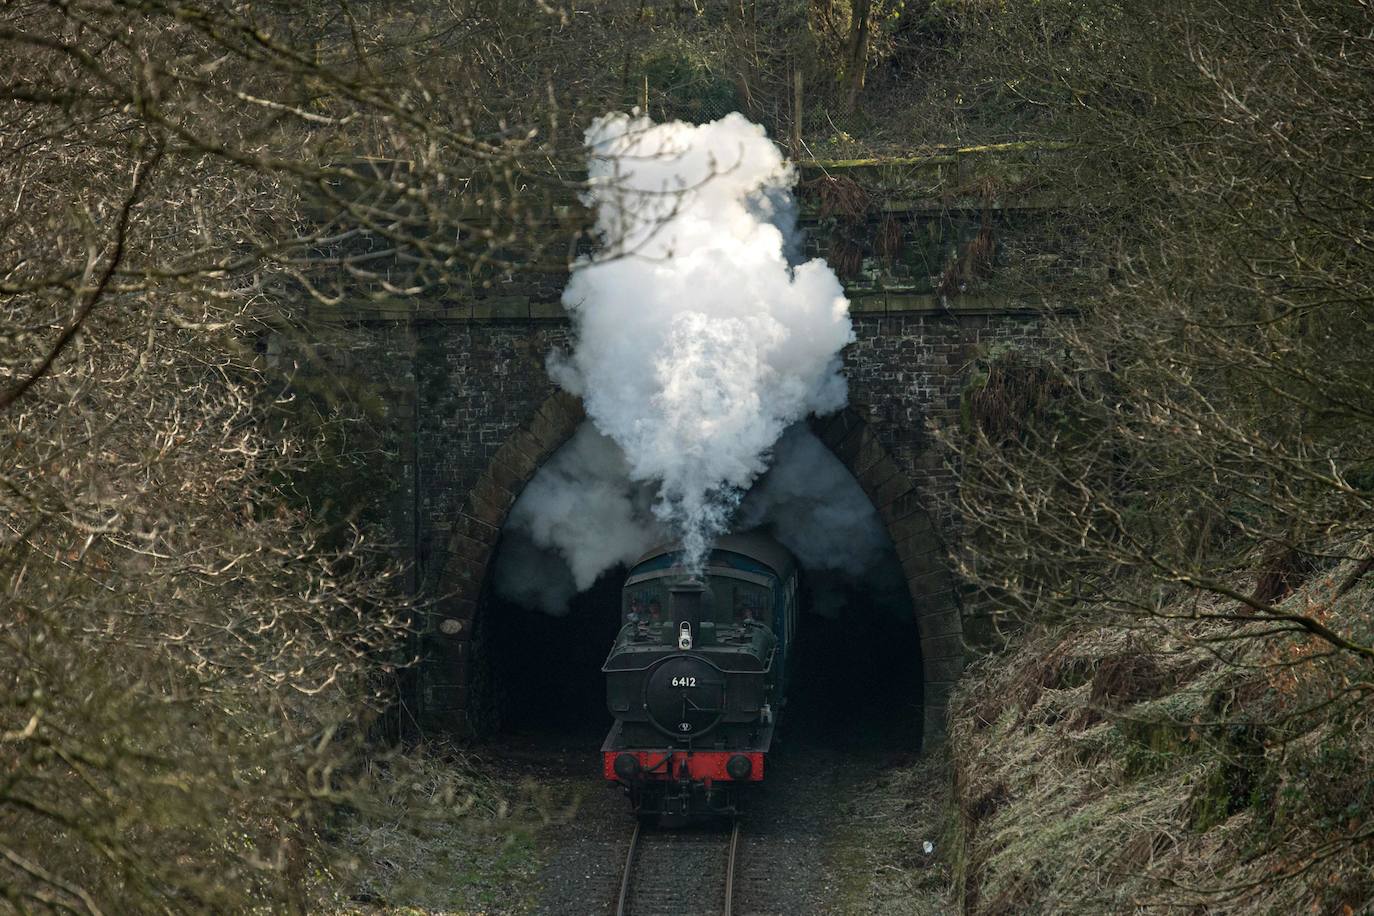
[751, 602]
[647, 602]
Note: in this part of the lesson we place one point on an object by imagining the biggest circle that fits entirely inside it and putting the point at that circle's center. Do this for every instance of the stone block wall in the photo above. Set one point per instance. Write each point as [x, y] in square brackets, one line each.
[468, 412]
[487, 416]
[479, 382]
[907, 371]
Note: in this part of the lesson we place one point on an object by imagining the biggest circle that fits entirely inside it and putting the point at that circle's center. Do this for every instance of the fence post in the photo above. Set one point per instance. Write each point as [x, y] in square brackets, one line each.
[794, 140]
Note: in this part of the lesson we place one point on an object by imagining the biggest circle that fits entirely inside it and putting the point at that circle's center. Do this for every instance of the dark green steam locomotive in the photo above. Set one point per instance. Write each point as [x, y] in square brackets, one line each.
[698, 674]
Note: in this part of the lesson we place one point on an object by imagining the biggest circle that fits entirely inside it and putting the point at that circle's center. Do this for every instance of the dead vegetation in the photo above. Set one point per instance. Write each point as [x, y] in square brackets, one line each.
[1009, 391]
[844, 204]
[437, 832]
[195, 643]
[1182, 765]
[1177, 540]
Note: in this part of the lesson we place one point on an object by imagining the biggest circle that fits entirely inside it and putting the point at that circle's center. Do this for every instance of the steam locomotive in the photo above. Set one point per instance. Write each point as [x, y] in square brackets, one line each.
[697, 675]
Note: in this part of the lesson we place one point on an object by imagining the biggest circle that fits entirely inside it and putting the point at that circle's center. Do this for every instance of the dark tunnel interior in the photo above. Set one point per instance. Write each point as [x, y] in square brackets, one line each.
[857, 678]
[547, 669]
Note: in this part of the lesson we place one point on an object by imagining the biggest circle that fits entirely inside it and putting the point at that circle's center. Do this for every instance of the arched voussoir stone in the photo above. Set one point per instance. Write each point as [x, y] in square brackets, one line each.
[448, 659]
[919, 548]
[489, 501]
[452, 657]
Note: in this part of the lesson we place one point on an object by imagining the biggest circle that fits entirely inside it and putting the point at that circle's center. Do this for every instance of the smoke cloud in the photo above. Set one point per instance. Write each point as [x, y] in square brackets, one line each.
[579, 516]
[582, 516]
[810, 502]
[696, 341]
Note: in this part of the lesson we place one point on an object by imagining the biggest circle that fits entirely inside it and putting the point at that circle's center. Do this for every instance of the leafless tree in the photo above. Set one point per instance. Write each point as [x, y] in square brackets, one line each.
[191, 648]
[1201, 445]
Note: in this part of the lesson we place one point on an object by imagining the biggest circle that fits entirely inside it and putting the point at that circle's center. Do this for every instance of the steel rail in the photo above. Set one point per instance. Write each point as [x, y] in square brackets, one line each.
[625, 878]
[629, 870]
[730, 866]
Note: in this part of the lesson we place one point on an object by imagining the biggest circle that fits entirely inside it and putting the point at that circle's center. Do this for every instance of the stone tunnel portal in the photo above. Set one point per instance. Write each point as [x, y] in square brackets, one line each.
[489, 661]
[857, 680]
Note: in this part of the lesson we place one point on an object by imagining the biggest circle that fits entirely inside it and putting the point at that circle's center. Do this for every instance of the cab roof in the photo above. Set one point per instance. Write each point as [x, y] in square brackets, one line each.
[753, 544]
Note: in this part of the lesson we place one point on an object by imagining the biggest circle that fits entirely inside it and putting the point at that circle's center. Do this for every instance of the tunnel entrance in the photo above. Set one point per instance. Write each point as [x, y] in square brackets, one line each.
[860, 673]
[857, 681]
[547, 669]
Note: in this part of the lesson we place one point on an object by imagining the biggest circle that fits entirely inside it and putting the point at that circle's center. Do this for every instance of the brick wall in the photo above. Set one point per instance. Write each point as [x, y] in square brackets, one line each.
[459, 389]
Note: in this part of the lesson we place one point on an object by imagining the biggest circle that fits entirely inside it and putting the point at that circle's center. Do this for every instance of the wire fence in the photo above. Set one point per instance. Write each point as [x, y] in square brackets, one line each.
[797, 113]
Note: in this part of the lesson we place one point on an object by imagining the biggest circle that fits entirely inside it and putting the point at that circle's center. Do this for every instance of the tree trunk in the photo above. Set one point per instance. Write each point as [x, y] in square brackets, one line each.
[858, 50]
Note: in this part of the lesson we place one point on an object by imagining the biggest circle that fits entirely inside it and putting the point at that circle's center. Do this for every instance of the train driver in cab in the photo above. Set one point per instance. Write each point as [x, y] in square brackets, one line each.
[747, 608]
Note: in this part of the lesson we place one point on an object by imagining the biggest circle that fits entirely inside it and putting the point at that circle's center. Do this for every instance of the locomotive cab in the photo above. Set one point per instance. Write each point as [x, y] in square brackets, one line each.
[697, 673]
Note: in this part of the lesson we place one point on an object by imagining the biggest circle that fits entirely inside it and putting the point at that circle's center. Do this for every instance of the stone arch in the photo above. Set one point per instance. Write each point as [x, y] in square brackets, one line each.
[450, 632]
[450, 637]
[919, 548]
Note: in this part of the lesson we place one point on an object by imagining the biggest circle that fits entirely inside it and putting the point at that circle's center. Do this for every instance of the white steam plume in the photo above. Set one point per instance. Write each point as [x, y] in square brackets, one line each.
[532, 576]
[697, 343]
[579, 516]
[811, 503]
[582, 516]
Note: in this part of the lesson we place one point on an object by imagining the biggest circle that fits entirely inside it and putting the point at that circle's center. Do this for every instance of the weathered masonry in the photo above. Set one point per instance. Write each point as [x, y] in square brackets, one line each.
[932, 252]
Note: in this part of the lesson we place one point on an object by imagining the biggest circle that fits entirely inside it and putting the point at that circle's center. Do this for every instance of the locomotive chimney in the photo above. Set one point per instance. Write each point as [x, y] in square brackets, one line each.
[685, 601]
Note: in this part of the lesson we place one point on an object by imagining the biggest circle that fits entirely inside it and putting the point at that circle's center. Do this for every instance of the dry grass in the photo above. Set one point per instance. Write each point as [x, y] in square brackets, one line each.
[1009, 392]
[1116, 771]
[890, 239]
[436, 835]
[879, 848]
[840, 197]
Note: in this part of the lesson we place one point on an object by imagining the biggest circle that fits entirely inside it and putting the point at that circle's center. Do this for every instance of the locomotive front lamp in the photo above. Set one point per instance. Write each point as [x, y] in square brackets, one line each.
[739, 767]
[684, 635]
[450, 626]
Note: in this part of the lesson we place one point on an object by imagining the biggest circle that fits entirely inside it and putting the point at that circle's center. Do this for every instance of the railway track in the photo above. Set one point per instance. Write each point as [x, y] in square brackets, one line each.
[678, 873]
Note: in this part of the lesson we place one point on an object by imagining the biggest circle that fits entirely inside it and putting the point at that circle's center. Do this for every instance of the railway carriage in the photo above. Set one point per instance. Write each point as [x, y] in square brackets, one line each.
[698, 673]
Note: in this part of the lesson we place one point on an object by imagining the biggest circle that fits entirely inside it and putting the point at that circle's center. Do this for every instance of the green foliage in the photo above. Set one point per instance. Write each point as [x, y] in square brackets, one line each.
[685, 87]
